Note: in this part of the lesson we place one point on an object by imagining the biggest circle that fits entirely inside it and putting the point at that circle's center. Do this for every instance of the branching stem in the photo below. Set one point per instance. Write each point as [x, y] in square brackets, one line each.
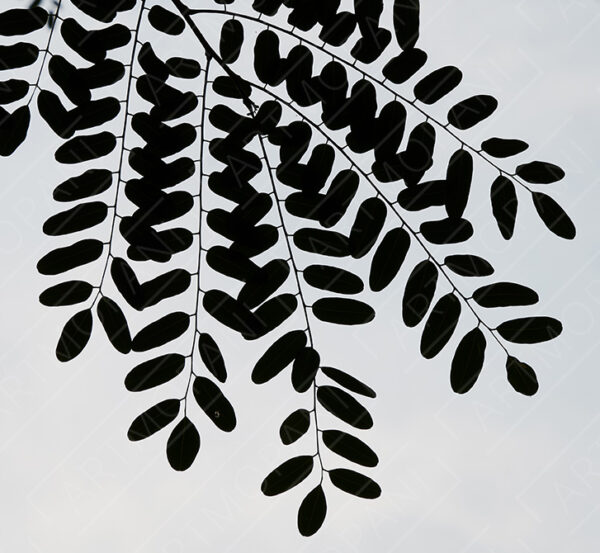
[300, 292]
[367, 76]
[199, 265]
[36, 85]
[119, 173]
[392, 205]
[210, 52]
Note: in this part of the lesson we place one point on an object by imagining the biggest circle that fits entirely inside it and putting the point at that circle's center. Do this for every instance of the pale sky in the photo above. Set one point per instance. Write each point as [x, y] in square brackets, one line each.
[488, 472]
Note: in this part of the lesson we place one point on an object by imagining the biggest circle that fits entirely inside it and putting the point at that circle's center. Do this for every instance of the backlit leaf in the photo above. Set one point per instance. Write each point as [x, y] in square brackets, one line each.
[155, 372]
[294, 426]
[75, 336]
[553, 216]
[521, 376]
[279, 356]
[467, 362]
[343, 311]
[350, 448]
[287, 475]
[312, 512]
[154, 419]
[354, 483]
[342, 405]
[212, 401]
[114, 323]
[530, 330]
[183, 445]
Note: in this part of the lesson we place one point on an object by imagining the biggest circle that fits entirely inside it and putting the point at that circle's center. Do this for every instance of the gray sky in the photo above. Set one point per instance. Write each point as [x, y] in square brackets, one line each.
[489, 472]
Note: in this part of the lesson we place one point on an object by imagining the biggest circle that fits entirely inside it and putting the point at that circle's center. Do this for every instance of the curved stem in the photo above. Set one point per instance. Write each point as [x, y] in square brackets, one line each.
[369, 77]
[200, 204]
[186, 13]
[36, 85]
[211, 54]
[300, 292]
[392, 206]
[119, 172]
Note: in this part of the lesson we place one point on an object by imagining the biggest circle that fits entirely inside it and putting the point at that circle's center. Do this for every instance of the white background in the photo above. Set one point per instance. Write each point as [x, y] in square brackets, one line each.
[489, 472]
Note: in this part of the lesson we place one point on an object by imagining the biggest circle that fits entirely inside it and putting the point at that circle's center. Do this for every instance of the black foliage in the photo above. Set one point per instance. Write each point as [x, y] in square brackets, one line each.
[287, 211]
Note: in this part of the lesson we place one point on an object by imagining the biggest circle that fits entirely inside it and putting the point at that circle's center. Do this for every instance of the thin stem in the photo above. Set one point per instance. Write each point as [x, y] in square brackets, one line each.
[292, 260]
[211, 54]
[186, 13]
[119, 172]
[365, 75]
[200, 211]
[366, 176]
[36, 85]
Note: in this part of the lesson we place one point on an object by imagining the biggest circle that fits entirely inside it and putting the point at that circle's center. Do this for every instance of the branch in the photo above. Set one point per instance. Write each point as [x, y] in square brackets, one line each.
[119, 171]
[210, 51]
[302, 299]
[392, 205]
[36, 85]
[367, 76]
[200, 211]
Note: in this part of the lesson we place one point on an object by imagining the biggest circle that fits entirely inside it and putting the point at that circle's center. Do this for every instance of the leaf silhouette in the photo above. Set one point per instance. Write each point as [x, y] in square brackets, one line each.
[437, 84]
[305, 368]
[406, 22]
[367, 226]
[440, 325]
[114, 323]
[343, 311]
[388, 259]
[13, 127]
[502, 294]
[18, 55]
[348, 381]
[155, 372]
[75, 336]
[521, 376]
[211, 356]
[354, 483]
[183, 445]
[350, 447]
[214, 404]
[64, 259]
[252, 181]
[312, 512]
[554, 216]
[90, 183]
[294, 426]
[503, 147]
[540, 172]
[161, 331]
[419, 292]
[279, 355]
[469, 265]
[504, 205]
[21, 21]
[468, 361]
[470, 112]
[67, 293]
[342, 405]
[530, 330]
[165, 21]
[332, 279]
[287, 475]
[154, 419]
[458, 183]
[75, 219]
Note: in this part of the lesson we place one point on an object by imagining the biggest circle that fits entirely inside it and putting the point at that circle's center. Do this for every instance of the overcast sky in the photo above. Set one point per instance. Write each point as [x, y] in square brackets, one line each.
[489, 472]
